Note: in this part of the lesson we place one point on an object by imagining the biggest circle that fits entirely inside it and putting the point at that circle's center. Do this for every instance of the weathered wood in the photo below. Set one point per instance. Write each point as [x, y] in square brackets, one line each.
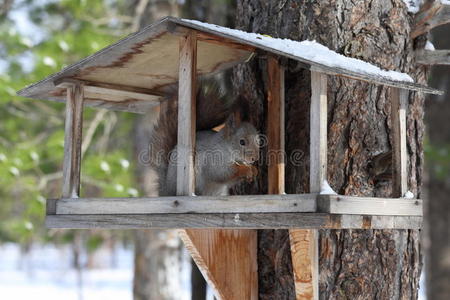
[275, 127]
[186, 204]
[318, 132]
[433, 57]
[235, 221]
[128, 92]
[399, 105]
[304, 243]
[72, 141]
[337, 204]
[186, 114]
[431, 15]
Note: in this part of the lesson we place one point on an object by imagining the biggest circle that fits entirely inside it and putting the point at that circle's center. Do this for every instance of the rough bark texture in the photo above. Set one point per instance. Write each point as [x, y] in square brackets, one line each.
[354, 264]
[438, 165]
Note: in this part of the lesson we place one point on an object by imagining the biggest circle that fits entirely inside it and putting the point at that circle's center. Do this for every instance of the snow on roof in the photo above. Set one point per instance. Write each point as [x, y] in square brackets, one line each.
[309, 50]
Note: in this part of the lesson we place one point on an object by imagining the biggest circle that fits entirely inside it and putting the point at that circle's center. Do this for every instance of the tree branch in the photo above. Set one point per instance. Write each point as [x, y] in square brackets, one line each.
[431, 15]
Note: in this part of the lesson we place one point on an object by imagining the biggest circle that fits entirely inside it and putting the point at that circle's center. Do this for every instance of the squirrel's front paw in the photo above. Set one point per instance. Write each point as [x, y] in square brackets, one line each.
[247, 172]
[252, 173]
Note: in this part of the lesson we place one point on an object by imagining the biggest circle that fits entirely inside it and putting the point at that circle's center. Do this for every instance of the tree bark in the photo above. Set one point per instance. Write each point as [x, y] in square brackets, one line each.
[437, 205]
[354, 264]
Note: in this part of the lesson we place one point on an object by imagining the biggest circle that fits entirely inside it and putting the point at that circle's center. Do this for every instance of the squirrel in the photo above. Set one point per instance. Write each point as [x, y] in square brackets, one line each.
[222, 158]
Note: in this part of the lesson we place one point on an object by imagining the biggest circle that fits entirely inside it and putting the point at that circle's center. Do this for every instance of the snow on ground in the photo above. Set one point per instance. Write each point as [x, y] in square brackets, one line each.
[46, 274]
[309, 50]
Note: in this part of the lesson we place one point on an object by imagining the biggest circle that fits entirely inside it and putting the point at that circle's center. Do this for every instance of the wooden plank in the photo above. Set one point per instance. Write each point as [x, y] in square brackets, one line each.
[112, 89]
[399, 106]
[186, 204]
[234, 221]
[275, 127]
[304, 243]
[304, 252]
[433, 57]
[72, 142]
[337, 204]
[227, 259]
[318, 132]
[186, 114]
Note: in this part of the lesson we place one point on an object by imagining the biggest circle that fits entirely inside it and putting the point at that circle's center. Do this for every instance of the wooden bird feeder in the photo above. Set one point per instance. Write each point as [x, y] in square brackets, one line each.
[131, 74]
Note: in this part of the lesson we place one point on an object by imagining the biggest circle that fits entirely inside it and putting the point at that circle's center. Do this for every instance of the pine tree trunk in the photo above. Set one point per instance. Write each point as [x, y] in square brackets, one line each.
[354, 264]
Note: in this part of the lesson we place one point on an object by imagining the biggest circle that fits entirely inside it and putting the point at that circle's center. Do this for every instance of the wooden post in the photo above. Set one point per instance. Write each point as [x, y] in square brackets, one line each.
[304, 243]
[399, 106]
[226, 258]
[72, 141]
[275, 129]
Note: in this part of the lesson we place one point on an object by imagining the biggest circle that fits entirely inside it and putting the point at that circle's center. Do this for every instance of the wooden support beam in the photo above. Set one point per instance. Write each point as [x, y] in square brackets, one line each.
[337, 204]
[72, 141]
[399, 106]
[238, 221]
[226, 258]
[433, 57]
[431, 15]
[304, 243]
[275, 129]
[186, 114]
[185, 204]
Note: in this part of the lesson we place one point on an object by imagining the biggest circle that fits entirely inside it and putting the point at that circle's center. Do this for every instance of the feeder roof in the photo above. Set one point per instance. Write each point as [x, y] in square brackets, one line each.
[131, 74]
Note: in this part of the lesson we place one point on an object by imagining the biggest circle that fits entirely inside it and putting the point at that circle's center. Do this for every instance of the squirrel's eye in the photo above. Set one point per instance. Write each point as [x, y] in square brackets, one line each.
[242, 142]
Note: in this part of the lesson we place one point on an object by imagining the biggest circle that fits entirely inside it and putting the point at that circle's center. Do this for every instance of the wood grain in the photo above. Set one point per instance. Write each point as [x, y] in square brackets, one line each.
[399, 105]
[337, 204]
[72, 141]
[275, 126]
[433, 57]
[304, 243]
[186, 204]
[234, 221]
[186, 114]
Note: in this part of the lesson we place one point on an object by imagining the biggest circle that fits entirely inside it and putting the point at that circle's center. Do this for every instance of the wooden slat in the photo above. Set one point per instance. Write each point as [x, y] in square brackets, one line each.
[227, 259]
[186, 204]
[399, 104]
[433, 57]
[304, 243]
[72, 142]
[235, 221]
[186, 114]
[337, 204]
[275, 127]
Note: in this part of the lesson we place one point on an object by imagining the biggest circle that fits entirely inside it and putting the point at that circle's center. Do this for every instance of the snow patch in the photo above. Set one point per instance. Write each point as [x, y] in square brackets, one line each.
[429, 46]
[325, 189]
[413, 5]
[408, 195]
[308, 50]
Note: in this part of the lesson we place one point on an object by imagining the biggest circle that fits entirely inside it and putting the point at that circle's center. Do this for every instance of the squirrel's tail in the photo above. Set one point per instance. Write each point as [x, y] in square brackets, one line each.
[213, 108]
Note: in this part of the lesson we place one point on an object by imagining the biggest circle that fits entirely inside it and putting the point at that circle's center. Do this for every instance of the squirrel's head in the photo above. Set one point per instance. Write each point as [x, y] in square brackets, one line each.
[244, 141]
